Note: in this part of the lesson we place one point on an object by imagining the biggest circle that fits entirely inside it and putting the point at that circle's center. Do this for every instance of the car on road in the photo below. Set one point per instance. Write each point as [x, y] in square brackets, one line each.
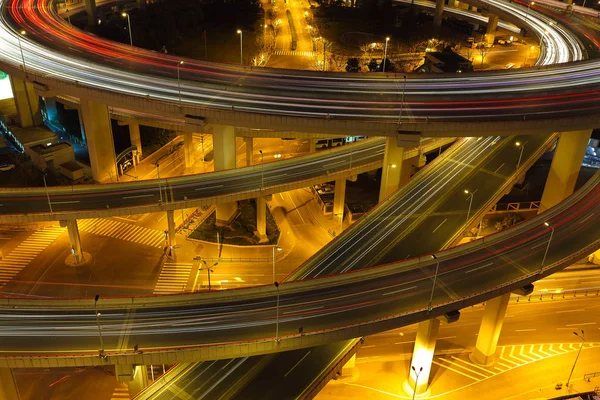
[6, 167]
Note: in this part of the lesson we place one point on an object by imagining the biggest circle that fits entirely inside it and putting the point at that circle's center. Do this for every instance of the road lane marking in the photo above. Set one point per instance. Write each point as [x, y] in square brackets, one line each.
[303, 310]
[583, 323]
[566, 311]
[65, 202]
[497, 169]
[209, 187]
[524, 330]
[295, 365]
[475, 269]
[580, 222]
[539, 245]
[438, 227]
[453, 369]
[398, 291]
[138, 196]
[410, 341]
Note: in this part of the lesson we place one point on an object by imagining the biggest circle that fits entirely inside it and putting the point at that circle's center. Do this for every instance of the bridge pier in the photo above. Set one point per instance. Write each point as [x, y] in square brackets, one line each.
[98, 131]
[392, 168]
[427, 333]
[224, 150]
[437, 16]
[8, 385]
[489, 330]
[313, 145]
[171, 241]
[490, 32]
[339, 199]
[261, 218]
[135, 376]
[249, 150]
[77, 256]
[135, 138]
[27, 102]
[90, 8]
[188, 149]
[565, 167]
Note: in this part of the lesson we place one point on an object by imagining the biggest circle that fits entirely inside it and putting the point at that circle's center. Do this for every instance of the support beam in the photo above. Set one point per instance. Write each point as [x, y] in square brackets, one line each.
[27, 102]
[392, 168]
[427, 332]
[565, 167]
[135, 376]
[261, 218]
[437, 16]
[339, 199]
[90, 9]
[224, 151]
[490, 32]
[188, 149]
[98, 130]
[135, 138]
[8, 385]
[249, 150]
[489, 330]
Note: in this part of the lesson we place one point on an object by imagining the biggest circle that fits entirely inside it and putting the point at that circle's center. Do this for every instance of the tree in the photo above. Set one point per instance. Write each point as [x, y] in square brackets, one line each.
[483, 51]
[373, 65]
[352, 65]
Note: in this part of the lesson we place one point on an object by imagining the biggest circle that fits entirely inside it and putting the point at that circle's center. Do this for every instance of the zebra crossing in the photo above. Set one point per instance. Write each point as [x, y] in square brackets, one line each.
[12, 263]
[509, 358]
[173, 278]
[121, 392]
[123, 231]
[295, 53]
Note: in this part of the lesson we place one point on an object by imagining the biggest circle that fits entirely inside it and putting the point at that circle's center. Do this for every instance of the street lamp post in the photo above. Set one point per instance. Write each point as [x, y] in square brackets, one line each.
[98, 324]
[416, 380]
[202, 144]
[209, 270]
[470, 204]
[387, 39]
[126, 15]
[277, 318]
[437, 267]
[262, 170]
[47, 194]
[547, 246]
[324, 53]
[275, 247]
[582, 337]
[522, 146]
[22, 33]
[239, 31]
[179, 64]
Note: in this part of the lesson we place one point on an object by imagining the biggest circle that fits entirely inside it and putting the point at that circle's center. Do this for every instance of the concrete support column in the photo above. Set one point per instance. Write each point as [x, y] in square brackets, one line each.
[348, 368]
[8, 385]
[171, 227]
[437, 16]
[135, 376]
[27, 102]
[422, 356]
[313, 145]
[188, 149]
[74, 240]
[98, 130]
[565, 167]
[489, 330]
[261, 218]
[90, 9]
[50, 104]
[224, 150]
[135, 138]
[339, 199]
[392, 168]
[249, 150]
[490, 32]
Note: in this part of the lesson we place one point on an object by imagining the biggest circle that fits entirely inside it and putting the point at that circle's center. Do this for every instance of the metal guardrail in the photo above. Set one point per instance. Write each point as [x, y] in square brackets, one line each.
[594, 292]
[516, 207]
[587, 377]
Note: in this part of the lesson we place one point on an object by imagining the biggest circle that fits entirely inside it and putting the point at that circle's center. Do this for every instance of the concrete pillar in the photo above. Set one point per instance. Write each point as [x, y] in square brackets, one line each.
[98, 130]
[490, 32]
[427, 332]
[171, 227]
[565, 167]
[27, 102]
[90, 8]
[489, 330]
[339, 199]
[50, 105]
[224, 154]
[249, 150]
[83, 134]
[392, 168]
[135, 138]
[348, 368]
[437, 16]
[261, 217]
[188, 149]
[313, 145]
[8, 385]
[74, 240]
[135, 376]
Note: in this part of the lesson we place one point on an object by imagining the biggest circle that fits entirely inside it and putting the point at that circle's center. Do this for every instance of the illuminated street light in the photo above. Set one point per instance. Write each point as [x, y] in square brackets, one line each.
[98, 323]
[522, 146]
[179, 64]
[208, 270]
[47, 194]
[547, 246]
[387, 39]
[437, 267]
[470, 204]
[275, 247]
[582, 337]
[128, 26]
[277, 321]
[239, 32]
[22, 33]
[416, 380]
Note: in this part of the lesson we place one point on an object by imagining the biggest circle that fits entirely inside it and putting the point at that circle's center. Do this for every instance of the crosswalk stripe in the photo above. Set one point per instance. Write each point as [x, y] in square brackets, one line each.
[295, 53]
[120, 393]
[123, 231]
[12, 263]
[454, 370]
[173, 278]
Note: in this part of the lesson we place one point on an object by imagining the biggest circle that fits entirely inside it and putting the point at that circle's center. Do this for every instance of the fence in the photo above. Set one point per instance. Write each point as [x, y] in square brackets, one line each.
[516, 207]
